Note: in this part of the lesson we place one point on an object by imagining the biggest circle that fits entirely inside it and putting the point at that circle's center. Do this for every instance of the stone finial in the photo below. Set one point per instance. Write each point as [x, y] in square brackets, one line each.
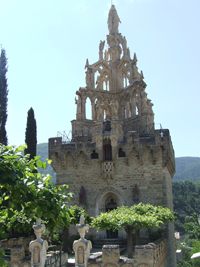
[38, 247]
[82, 220]
[87, 63]
[82, 227]
[101, 46]
[82, 247]
[135, 58]
[38, 229]
[82, 196]
[113, 20]
[141, 75]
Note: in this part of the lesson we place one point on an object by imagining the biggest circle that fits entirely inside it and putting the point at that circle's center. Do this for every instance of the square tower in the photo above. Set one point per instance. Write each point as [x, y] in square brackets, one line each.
[116, 158]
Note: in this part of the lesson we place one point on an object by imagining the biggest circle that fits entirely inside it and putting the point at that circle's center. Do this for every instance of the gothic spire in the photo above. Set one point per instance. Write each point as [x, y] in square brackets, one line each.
[113, 20]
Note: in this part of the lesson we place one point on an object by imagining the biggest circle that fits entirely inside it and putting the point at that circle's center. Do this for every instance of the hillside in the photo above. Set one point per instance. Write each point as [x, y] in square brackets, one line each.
[187, 168]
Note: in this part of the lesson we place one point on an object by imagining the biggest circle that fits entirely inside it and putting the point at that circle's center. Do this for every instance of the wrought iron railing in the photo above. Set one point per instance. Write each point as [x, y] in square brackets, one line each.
[54, 259]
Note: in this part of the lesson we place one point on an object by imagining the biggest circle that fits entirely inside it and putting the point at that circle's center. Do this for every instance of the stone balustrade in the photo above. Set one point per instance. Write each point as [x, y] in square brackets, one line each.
[150, 255]
[154, 254]
[107, 166]
[16, 241]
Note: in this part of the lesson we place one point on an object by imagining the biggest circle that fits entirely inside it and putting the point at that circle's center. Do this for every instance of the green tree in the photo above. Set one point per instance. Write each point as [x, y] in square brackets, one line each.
[192, 226]
[3, 97]
[130, 218]
[26, 195]
[31, 134]
[75, 214]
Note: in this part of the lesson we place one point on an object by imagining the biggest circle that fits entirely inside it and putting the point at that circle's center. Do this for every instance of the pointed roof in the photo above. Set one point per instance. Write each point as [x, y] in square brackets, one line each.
[113, 20]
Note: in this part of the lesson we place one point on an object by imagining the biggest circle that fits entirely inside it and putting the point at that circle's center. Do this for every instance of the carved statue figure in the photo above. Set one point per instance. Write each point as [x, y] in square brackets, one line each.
[78, 102]
[97, 82]
[99, 111]
[82, 196]
[135, 193]
[144, 99]
[101, 46]
[106, 55]
[114, 109]
[124, 43]
[89, 77]
[113, 20]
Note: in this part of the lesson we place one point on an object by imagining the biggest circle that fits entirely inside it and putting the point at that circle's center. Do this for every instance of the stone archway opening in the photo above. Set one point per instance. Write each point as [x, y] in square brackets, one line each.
[110, 204]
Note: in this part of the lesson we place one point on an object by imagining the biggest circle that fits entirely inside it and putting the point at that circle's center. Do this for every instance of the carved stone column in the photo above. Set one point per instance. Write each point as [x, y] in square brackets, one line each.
[82, 246]
[38, 247]
[83, 107]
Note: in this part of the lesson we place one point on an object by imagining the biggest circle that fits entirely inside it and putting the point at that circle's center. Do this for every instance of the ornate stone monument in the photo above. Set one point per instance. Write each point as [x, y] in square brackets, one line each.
[82, 246]
[116, 154]
[38, 247]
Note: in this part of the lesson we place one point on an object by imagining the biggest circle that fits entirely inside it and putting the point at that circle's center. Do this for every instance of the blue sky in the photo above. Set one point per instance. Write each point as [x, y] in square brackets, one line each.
[48, 42]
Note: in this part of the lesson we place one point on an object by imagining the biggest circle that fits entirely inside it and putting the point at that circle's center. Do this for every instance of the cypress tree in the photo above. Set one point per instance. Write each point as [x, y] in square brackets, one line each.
[31, 134]
[3, 97]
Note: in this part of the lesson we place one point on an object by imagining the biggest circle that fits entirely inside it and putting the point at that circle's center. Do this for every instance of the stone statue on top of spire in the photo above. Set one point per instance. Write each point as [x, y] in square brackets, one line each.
[113, 20]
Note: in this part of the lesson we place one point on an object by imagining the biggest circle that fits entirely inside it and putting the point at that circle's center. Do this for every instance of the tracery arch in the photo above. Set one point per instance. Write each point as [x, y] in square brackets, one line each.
[104, 195]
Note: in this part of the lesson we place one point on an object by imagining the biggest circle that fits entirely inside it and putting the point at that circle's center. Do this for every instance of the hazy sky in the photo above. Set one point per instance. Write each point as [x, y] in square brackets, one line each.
[47, 44]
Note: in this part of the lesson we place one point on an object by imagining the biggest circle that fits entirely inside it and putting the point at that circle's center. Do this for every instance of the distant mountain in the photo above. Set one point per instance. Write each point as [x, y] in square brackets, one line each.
[42, 151]
[187, 168]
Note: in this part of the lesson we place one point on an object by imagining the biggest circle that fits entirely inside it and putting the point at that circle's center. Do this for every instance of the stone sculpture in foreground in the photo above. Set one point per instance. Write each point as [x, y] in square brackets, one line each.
[38, 247]
[82, 247]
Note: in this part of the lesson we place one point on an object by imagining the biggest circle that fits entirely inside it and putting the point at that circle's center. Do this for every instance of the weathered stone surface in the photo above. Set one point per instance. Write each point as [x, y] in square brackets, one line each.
[119, 149]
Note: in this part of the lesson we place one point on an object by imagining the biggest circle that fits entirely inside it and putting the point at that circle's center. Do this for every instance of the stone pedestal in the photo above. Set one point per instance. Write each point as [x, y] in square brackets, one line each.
[38, 247]
[110, 255]
[17, 253]
[82, 247]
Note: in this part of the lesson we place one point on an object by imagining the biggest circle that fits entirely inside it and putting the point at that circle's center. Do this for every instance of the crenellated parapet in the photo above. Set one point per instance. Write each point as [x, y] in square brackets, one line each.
[147, 149]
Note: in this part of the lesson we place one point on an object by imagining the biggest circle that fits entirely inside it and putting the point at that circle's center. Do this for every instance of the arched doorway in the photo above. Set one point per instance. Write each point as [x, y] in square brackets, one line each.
[111, 204]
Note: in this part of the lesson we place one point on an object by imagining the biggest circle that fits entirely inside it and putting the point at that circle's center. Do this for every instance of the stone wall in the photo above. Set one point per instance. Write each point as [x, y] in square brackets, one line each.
[18, 257]
[151, 255]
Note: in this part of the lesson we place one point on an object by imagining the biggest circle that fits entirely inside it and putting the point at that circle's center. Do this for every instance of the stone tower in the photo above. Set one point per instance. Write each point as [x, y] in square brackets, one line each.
[116, 158]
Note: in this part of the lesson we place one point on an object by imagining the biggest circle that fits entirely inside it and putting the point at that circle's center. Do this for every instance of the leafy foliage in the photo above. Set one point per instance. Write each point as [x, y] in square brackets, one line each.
[192, 226]
[42, 151]
[188, 249]
[25, 195]
[3, 97]
[31, 135]
[75, 214]
[187, 168]
[130, 218]
[138, 216]
[186, 198]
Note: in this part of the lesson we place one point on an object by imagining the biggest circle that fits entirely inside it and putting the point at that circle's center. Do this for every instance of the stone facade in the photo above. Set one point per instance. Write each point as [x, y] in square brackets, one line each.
[116, 158]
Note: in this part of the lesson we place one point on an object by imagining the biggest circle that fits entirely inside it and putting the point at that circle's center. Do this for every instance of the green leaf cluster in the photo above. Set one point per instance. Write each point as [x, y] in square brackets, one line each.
[138, 216]
[192, 226]
[186, 199]
[26, 195]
